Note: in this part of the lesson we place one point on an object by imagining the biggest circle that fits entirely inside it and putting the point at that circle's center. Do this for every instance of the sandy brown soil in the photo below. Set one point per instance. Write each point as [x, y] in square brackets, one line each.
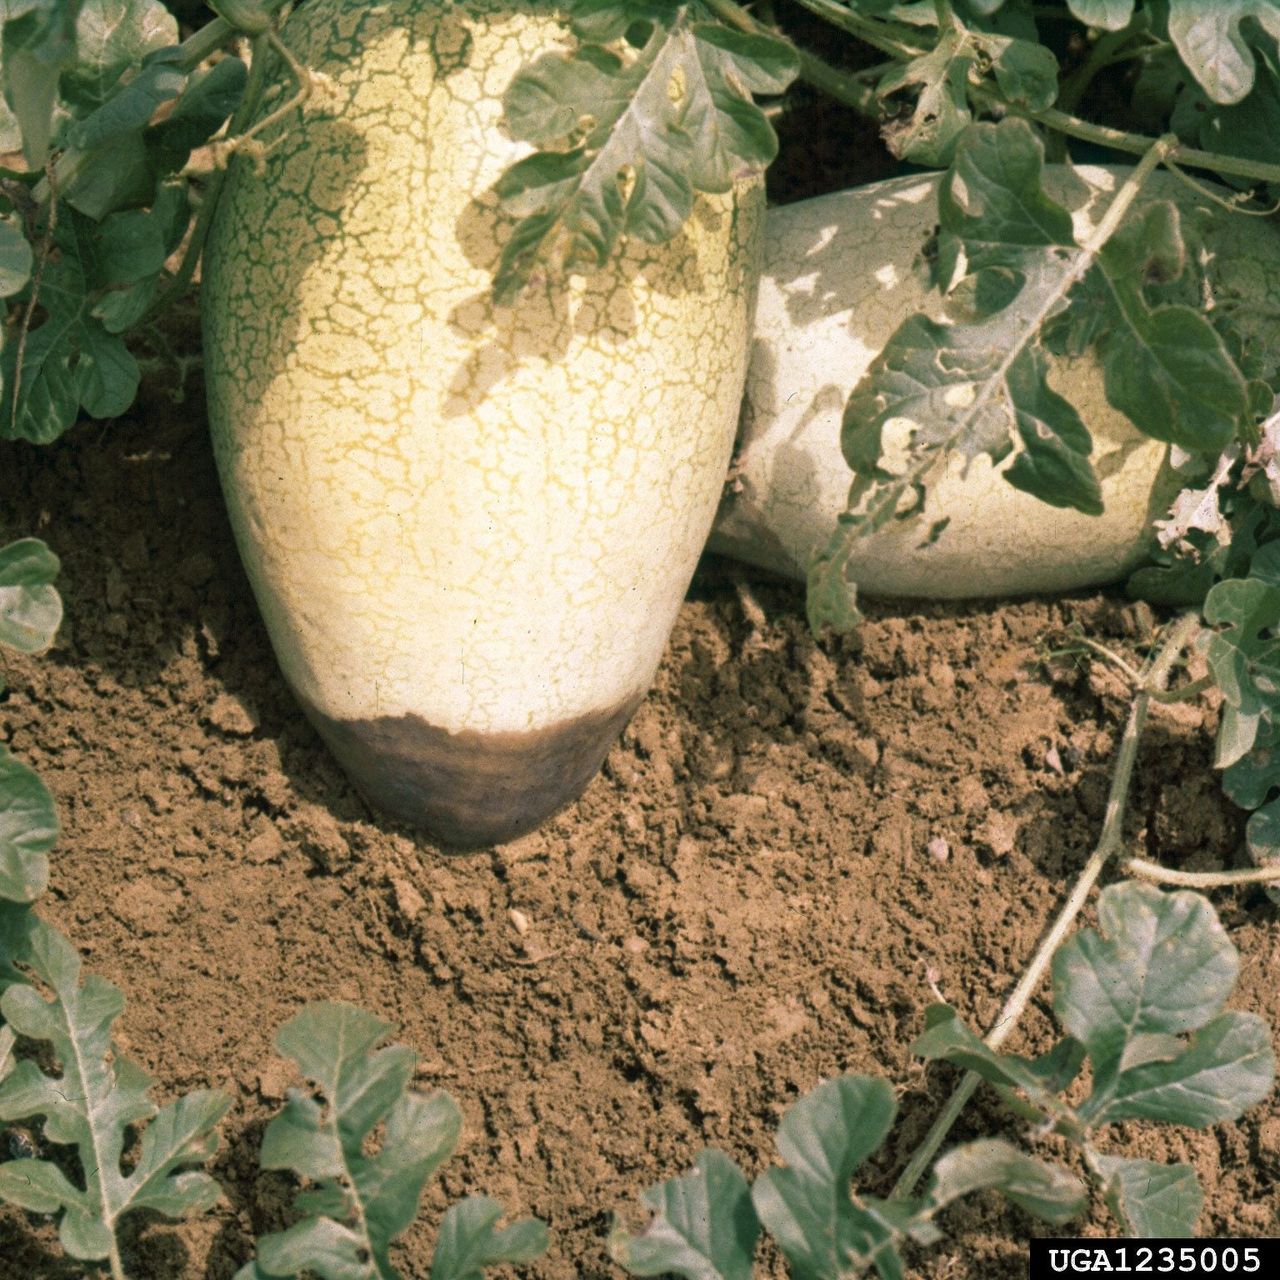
[754, 894]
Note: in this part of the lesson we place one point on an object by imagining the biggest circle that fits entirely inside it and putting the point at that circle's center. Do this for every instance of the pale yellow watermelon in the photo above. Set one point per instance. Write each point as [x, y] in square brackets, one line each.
[468, 528]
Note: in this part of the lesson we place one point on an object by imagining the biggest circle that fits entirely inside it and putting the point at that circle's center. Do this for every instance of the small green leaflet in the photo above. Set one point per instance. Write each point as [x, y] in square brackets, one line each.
[28, 830]
[359, 1203]
[99, 1095]
[630, 136]
[1041, 1189]
[470, 1240]
[1150, 1199]
[1209, 40]
[30, 606]
[945, 1036]
[703, 1227]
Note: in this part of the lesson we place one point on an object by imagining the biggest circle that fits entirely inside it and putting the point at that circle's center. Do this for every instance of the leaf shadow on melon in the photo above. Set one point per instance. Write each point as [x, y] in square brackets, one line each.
[552, 313]
[794, 468]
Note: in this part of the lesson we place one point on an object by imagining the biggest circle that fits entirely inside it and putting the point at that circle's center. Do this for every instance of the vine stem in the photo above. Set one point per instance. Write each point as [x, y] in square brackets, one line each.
[213, 35]
[1155, 676]
[1134, 143]
[245, 111]
[888, 37]
[1200, 879]
[835, 83]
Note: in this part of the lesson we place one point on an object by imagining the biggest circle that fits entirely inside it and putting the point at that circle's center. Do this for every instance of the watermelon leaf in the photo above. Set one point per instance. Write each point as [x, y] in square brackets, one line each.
[628, 134]
[359, 1202]
[1143, 997]
[1209, 40]
[91, 1104]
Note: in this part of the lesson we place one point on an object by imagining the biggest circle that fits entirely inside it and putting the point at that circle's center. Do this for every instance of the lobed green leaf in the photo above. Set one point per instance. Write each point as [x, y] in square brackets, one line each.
[635, 132]
[131, 109]
[966, 52]
[211, 95]
[940, 114]
[1244, 658]
[603, 21]
[71, 361]
[360, 1202]
[978, 384]
[805, 1205]
[1228, 1066]
[1209, 40]
[112, 38]
[1161, 965]
[470, 1240]
[92, 1103]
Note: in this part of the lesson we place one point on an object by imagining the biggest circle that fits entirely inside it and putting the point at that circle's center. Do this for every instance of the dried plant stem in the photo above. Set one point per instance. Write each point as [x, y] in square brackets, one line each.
[244, 113]
[1200, 879]
[1154, 677]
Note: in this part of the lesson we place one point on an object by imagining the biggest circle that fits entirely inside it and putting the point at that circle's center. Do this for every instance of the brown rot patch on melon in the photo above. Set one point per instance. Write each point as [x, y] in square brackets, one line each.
[470, 790]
